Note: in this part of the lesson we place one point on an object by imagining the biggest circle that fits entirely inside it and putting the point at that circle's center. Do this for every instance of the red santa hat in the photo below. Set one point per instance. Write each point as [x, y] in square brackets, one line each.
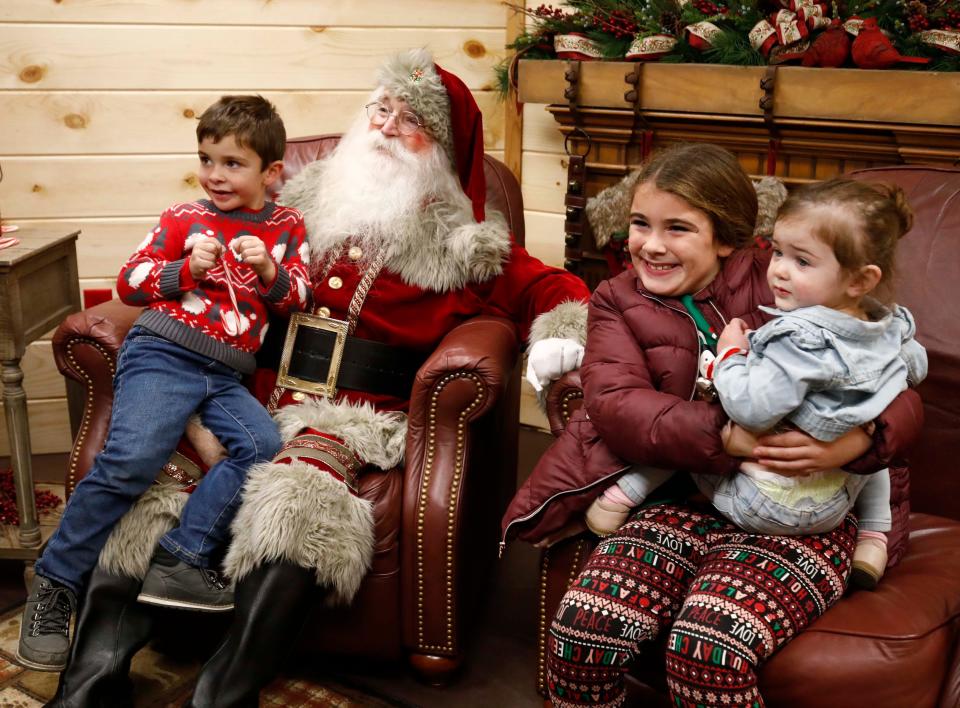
[449, 113]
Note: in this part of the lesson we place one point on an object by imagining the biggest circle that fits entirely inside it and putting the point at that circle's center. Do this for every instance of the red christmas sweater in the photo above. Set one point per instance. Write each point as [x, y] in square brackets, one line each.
[203, 316]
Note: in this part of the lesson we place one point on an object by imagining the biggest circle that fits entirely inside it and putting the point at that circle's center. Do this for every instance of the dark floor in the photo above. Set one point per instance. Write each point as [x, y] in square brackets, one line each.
[501, 662]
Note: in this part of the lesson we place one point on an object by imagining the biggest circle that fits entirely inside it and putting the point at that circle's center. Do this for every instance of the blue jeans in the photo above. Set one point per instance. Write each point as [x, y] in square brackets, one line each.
[741, 501]
[158, 385]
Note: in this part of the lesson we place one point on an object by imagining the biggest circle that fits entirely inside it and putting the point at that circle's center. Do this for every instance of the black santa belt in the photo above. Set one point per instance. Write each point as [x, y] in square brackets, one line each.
[319, 357]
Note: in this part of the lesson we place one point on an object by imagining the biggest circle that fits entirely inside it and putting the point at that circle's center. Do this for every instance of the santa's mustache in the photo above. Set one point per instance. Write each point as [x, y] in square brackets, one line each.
[393, 147]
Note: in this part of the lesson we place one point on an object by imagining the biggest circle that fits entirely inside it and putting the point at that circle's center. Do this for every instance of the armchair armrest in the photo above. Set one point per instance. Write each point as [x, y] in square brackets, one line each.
[564, 398]
[85, 348]
[463, 380]
[559, 565]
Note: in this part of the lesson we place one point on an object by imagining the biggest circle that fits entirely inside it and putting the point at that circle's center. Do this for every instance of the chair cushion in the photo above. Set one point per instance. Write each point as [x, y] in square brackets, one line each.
[895, 644]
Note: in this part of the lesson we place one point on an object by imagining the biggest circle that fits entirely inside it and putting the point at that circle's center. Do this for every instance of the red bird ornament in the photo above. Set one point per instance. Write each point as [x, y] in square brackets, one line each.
[830, 49]
[872, 50]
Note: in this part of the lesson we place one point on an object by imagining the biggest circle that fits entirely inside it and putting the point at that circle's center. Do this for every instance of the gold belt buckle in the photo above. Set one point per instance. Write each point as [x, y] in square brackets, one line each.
[304, 319]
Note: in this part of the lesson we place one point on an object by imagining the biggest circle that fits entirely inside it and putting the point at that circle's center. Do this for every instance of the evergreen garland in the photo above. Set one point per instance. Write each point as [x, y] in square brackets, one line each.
[732, 47]
[615, 25]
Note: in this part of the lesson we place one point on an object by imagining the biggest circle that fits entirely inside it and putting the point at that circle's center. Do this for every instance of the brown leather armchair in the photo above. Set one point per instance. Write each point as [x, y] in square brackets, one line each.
[436, 517]
[899, 645]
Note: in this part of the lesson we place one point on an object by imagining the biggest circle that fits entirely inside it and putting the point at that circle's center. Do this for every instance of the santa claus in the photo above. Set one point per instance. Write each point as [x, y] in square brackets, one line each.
[402, 250]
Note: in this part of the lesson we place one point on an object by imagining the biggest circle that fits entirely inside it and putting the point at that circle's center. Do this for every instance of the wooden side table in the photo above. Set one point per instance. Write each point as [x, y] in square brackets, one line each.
[38, 288]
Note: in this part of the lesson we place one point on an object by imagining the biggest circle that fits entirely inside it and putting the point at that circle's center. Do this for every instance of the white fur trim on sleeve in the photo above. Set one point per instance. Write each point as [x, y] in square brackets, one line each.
[448, 249]
[568, 320]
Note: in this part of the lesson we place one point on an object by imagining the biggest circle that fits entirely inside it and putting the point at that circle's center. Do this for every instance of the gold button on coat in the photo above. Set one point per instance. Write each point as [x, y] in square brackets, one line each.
[298, 395]
[335, 283]
[324, 312]
[355, 253]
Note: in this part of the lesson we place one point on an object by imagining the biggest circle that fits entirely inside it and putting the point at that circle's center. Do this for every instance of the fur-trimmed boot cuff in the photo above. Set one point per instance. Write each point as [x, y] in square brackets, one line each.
[295, 512]
[131, 543]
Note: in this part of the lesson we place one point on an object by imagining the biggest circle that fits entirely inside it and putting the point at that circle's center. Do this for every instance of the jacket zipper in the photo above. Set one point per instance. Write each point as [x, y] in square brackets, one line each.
[723, 319]
[719, 314]
[527, 517]
[686, 314]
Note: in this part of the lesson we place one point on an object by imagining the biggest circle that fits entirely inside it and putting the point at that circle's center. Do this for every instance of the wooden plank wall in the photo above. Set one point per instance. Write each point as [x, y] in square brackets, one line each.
[543, 177]
[543, 180]
[98, 101]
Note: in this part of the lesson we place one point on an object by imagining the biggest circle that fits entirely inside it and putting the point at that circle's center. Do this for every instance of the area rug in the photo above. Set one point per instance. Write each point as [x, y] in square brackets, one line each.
[164, 681]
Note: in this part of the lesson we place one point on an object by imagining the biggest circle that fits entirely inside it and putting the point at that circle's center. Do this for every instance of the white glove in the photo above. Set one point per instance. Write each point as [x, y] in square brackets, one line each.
[549, 359]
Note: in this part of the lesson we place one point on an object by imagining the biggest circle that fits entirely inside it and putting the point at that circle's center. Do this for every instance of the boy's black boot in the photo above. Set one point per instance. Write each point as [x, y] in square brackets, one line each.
[111, 627]
[272, 605]
[172, 583]
[45, 627]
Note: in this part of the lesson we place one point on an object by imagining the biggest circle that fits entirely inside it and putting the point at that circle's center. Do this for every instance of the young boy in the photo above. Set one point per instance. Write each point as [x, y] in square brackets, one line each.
[207, 274]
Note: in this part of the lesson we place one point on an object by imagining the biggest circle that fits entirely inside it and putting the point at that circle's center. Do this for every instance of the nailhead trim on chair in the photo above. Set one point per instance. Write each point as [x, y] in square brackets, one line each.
[88, 403]
[565, 404]
[542, 625]
[422, 502]
[565, 412]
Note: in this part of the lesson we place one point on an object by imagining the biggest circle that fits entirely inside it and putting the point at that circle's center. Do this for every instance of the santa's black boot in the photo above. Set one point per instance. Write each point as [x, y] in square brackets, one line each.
[271, 605]
[111, 627]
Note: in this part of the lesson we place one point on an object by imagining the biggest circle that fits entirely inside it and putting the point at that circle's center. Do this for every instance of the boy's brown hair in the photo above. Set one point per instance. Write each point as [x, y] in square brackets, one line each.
[861, 221]
[252, 120]
[710, 179]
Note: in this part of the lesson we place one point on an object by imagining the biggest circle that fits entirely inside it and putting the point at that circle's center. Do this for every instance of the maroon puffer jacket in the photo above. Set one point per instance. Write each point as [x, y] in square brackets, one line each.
[638, 378]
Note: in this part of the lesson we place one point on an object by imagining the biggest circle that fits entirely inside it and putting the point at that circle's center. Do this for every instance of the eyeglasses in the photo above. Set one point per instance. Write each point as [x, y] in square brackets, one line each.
[408, 122]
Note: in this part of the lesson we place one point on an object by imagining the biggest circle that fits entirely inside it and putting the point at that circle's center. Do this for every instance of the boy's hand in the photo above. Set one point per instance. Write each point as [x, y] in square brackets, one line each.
[204, 256]
[252, 251]
[734, 335]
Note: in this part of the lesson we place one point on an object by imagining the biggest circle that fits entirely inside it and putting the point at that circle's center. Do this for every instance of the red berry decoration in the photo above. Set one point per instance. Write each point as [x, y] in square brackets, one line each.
[8, 500]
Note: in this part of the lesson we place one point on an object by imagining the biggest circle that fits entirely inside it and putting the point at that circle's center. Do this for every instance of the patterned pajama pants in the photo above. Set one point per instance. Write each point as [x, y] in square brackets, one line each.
[729, 598]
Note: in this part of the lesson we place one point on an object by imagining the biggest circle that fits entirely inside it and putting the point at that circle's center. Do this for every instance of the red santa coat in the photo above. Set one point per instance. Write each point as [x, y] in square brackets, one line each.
[413, 317]
[442, 271]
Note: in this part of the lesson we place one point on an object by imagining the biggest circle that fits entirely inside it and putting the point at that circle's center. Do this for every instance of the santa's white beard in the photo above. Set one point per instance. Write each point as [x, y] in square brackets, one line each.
[374, 189]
